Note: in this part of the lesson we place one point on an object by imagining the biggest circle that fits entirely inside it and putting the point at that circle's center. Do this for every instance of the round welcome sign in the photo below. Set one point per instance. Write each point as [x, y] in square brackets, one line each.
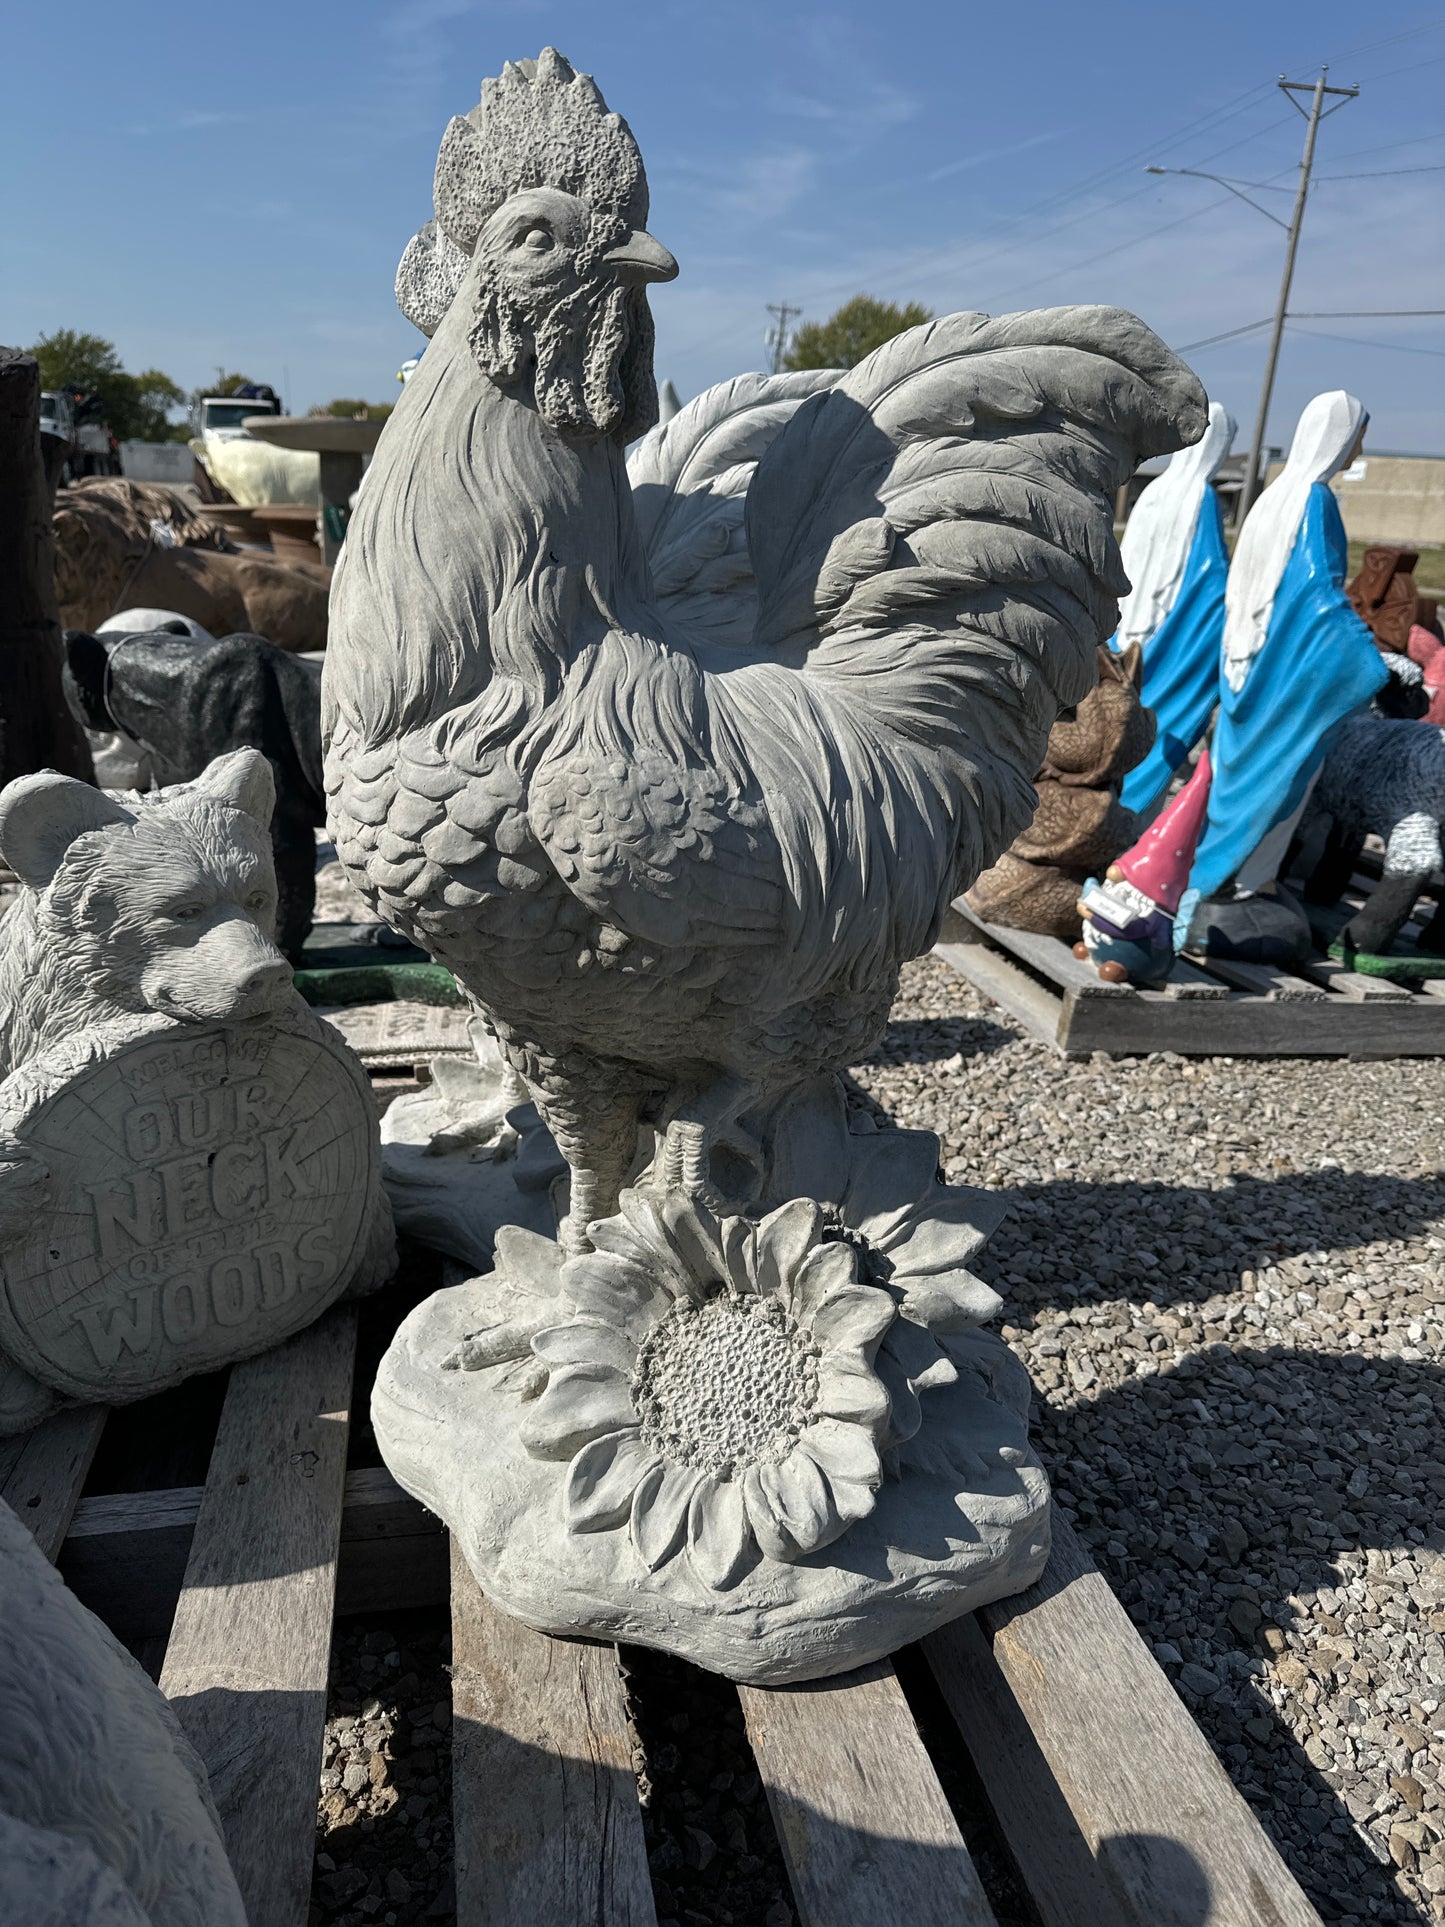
[210, 1192]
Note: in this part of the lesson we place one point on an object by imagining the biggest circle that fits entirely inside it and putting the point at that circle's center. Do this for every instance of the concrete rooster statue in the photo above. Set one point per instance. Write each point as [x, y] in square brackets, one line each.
[674, 769]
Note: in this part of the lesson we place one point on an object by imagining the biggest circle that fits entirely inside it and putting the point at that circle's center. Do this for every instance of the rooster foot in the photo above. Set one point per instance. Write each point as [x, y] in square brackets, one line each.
[703, 1135]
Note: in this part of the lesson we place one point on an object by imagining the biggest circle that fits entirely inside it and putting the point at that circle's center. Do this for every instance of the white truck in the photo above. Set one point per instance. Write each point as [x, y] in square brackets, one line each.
[221, 417]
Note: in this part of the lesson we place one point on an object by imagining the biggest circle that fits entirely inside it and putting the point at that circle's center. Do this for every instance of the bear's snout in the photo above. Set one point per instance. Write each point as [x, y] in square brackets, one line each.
[229, 969]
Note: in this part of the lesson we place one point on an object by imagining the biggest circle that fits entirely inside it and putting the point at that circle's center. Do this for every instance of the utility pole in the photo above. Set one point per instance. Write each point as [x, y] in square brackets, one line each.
[1253, 475]
[778, 337]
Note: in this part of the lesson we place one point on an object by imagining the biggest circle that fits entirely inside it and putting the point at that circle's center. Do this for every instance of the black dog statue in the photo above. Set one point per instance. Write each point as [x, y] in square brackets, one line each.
[185, 702]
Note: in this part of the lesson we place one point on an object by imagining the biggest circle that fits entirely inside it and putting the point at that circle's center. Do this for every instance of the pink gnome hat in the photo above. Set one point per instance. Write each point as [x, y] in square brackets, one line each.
[1160, 862]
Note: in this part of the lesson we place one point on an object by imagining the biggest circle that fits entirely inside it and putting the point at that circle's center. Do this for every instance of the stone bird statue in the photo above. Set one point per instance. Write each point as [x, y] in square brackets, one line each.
[675, 771]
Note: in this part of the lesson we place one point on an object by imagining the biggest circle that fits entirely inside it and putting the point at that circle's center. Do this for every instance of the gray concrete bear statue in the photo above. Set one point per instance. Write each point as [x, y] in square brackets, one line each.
[189, 1162]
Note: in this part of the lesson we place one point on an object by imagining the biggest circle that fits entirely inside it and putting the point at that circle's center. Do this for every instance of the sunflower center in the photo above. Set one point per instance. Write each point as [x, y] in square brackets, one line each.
[726, 1384]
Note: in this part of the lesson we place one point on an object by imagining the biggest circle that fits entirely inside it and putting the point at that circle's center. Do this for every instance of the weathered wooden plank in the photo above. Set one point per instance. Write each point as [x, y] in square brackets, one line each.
[1048, 955]
[1349, 983]
[247, 1663]
[1056, 1863]
[863, 1823]
[1259, 1027]
[1037, 1008]
[1186, 980]
[544, 1800]
[42, 1472]
[1149, 1797]
[125, 1554]
[1265, 981]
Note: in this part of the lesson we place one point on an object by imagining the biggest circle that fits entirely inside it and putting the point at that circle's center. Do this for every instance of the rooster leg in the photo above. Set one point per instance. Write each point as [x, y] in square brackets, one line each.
[599, 1144]
[697, 1127]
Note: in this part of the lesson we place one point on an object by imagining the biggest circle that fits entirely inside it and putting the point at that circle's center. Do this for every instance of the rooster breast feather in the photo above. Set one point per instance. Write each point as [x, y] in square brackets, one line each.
[897, 577]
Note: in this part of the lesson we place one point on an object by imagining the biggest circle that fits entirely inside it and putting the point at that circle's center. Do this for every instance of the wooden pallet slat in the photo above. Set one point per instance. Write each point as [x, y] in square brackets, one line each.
[247, 1664]
[1160, 1814]
[545, 1813]
[1055, 1862]
[43, 1471]
[1250, 1011]
[865, 1830]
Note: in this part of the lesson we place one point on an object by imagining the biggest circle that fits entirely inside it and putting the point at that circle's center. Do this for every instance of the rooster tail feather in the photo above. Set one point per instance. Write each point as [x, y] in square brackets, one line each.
[690, 479]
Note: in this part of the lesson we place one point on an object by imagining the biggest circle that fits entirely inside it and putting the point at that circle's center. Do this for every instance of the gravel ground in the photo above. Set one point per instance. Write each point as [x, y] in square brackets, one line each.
[1226, 1278]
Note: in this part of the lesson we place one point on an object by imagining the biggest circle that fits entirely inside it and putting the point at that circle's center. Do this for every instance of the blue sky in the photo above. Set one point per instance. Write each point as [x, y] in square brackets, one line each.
[208, 186]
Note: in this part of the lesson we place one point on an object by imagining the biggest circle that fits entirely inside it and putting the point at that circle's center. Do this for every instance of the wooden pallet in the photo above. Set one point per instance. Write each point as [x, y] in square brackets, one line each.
[1204, 1008]
[1103, 1788]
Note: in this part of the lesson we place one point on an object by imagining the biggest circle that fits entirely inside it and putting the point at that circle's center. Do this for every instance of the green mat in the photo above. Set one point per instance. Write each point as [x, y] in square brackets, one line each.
[1408, 967]
[380, 983]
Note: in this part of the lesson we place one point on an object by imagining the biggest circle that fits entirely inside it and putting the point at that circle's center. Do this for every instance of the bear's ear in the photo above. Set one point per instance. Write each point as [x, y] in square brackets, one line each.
[244, 779]
[1131, 664]
[42, 815]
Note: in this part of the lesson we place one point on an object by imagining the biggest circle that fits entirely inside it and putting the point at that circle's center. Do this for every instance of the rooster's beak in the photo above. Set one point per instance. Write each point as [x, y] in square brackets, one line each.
[640, 258]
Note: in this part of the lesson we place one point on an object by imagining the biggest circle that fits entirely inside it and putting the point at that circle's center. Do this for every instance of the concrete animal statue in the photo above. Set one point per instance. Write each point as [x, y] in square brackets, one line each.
[137, 905]
[120, 542]
[106, 1818]
[1384, 778]
[675, 773]
[183, 703]
[1079, 824]
[189, 1159]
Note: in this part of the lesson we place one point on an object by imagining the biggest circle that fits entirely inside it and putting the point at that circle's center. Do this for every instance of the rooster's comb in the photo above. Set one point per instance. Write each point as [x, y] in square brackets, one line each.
[541, 124]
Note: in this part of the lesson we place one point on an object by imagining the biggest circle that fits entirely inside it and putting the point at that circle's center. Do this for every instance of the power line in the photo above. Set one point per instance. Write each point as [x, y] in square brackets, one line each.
[1355, 341]
[1380, 174]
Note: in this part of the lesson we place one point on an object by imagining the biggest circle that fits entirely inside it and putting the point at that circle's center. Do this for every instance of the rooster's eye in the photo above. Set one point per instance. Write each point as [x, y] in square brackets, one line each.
[536, 240]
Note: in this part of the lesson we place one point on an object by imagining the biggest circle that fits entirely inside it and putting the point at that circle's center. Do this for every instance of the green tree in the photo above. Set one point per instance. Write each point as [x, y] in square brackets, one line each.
[369, 411]
[858, 327]
[135, 406]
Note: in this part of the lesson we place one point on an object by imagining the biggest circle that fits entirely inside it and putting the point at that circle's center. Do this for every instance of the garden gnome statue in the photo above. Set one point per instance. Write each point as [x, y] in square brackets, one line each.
[1138, 917]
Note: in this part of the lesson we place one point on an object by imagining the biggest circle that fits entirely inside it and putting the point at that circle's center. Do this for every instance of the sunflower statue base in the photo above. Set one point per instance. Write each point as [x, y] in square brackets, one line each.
[774, 1442]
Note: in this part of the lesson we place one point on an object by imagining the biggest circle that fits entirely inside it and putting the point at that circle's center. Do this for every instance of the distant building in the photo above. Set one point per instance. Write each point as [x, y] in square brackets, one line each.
[1392, 498]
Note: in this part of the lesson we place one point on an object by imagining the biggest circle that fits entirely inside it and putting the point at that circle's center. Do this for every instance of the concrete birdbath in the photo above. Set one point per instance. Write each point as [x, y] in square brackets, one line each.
[342, 445]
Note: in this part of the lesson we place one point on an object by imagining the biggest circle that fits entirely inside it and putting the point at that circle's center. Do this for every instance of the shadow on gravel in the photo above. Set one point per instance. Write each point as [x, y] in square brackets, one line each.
[928, 1040]
[1176, 1244]
[1281, 1462]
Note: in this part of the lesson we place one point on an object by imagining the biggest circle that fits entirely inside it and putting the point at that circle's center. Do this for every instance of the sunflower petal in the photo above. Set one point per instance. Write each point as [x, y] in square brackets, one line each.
[854, 1320]
[949, 1302]
[612, 1289]
[694, 1234]
[891, 1172]
[659, 1513]
[852, 1501]
[811, 1150]
[530, 1263]
[785, 1238]
[801, 1500]
[843, 1451]
[719, 1539]
[849, 1391]
[580, 1402]
[825, 1270]
[585, 1341]
[763, 1518]
[942, 1237]
[601, 1481]
[649, 1230]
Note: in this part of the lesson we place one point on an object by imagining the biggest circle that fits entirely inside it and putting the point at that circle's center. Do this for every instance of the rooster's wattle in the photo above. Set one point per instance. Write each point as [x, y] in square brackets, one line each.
[675, 771]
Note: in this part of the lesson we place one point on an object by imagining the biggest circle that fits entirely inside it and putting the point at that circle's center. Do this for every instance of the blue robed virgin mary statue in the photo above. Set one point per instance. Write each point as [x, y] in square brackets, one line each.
[1296, 660]
[1176, 562]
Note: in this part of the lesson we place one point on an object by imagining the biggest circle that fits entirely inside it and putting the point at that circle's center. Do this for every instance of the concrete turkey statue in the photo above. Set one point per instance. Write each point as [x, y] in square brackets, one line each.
[674, 774]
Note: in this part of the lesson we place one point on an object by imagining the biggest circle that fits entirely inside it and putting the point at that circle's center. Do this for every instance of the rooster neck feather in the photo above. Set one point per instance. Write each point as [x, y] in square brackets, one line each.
[483, 545]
